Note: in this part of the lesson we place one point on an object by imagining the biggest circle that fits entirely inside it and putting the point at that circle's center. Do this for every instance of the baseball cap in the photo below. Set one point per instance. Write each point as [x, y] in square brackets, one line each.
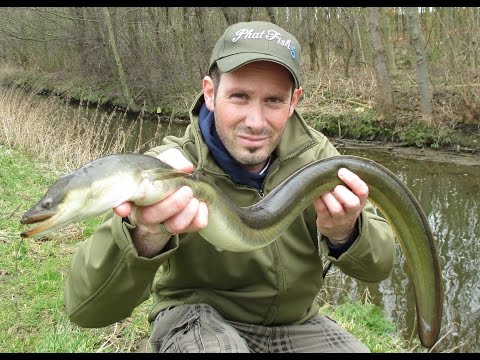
[246, 42]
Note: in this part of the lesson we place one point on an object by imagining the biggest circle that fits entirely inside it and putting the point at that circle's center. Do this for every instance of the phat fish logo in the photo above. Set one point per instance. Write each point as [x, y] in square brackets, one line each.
[270, 35]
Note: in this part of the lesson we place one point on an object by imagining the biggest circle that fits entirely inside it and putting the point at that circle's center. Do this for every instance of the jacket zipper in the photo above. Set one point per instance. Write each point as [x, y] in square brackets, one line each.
[275, 249]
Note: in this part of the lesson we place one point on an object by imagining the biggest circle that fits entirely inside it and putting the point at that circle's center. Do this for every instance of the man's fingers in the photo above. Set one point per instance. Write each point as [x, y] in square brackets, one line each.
[344, 196]
[175, 159]
[123, 209]
[182, 220]
[334, 207]
[192, 218]
[356, 185]
[202, 218]
[170, 206]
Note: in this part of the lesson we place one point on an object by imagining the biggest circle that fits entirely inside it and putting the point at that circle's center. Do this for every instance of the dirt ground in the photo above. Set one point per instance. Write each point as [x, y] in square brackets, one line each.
[457, 157]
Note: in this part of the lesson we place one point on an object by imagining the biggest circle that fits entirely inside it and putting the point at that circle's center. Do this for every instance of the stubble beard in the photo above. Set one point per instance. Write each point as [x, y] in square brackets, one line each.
[253, 156]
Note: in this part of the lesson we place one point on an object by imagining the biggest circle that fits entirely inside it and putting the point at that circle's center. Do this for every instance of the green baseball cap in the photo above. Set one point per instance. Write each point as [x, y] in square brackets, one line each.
[246, 42]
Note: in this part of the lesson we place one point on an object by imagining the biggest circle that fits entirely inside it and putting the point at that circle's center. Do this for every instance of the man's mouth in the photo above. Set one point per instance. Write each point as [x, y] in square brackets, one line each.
[252, 141]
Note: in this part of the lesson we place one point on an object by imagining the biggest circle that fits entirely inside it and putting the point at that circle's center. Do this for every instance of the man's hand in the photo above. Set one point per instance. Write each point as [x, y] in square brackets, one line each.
[180, 212]
[339, 209]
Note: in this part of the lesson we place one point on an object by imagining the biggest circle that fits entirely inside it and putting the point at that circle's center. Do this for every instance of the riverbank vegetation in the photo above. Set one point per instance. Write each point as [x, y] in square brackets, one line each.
[394, 74]
[35, 149]
[65, 137]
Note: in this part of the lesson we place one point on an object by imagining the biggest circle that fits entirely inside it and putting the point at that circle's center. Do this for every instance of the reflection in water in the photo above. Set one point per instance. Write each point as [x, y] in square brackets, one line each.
[450, 196]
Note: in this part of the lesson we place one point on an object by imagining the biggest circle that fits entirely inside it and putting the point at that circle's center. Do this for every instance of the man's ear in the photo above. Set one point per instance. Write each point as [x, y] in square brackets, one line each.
[297, 93]
[209, 92]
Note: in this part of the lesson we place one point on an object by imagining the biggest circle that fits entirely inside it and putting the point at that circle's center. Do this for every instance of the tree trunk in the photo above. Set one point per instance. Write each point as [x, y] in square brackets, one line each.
[313, 56]
[385, 101]
[347, 27]
[450, 30]
[387, 31]
[230, 16]
[473, 36]
[366, 38]
[323, 50]
[360, 54]
[310, 35]
[347, 56]
[118, 61]
[81, 35]
[423, 78]
[102, 39]
[248, 14]
[271, 15]
[202, 39]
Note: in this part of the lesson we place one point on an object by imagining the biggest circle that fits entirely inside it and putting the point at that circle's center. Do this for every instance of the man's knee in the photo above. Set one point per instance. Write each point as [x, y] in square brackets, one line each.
[194, 328]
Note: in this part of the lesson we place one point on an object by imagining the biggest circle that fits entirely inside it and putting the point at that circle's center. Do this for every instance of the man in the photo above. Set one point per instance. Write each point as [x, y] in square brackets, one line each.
[246, 136]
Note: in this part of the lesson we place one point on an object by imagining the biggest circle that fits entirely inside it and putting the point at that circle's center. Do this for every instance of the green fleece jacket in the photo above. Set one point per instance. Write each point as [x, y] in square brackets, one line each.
[274, 285]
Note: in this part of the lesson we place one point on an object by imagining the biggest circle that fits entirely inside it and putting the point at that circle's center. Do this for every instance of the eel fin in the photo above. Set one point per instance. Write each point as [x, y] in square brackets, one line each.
[163, 173]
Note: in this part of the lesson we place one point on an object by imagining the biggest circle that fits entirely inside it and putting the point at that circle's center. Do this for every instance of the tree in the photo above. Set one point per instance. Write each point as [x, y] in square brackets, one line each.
[231, 16]
[387, 31]
[423, 78]
[113, 45]
[271, 15]
[385, 100]
[341, 33]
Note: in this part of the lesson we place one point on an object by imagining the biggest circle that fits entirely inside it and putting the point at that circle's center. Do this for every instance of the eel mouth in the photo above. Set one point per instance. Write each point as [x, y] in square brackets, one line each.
[36, 217]
[45, 218]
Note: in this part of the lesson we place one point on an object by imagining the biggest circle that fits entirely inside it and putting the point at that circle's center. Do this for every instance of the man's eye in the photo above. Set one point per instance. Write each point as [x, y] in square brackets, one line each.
[275, 100]
[241, 96]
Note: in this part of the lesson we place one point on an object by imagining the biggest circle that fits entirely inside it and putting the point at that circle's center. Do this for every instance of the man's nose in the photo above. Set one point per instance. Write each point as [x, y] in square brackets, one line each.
[255, 118]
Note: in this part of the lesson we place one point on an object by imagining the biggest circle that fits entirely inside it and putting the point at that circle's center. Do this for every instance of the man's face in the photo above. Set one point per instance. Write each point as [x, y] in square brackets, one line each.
[251, 106]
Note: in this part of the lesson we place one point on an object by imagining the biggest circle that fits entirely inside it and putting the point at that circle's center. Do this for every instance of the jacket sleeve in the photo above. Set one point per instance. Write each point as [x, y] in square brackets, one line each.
[107, 278]
[370, 258]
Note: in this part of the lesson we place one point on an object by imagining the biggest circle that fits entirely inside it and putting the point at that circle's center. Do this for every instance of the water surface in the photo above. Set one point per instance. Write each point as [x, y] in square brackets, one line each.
[450, 196]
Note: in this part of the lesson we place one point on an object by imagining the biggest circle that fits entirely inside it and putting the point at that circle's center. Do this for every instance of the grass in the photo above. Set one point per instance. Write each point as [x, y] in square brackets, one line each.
[367, 323]
[35, 149]
[32, 274]
[62, 137]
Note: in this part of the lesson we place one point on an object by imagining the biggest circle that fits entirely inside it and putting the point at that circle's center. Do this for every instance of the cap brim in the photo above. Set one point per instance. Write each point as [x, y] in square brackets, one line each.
[232, 62]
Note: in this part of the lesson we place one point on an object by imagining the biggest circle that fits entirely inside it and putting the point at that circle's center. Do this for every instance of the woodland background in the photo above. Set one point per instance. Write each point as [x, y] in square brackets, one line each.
[393, 73]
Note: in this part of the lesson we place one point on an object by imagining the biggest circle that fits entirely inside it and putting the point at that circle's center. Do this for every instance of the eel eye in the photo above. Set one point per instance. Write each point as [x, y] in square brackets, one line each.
[47, 203]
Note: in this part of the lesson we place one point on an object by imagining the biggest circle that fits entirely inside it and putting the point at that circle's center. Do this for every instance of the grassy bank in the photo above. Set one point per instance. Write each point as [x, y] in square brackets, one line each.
[341, 108]
[33, 271]
[35, 149]
[66, 137]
